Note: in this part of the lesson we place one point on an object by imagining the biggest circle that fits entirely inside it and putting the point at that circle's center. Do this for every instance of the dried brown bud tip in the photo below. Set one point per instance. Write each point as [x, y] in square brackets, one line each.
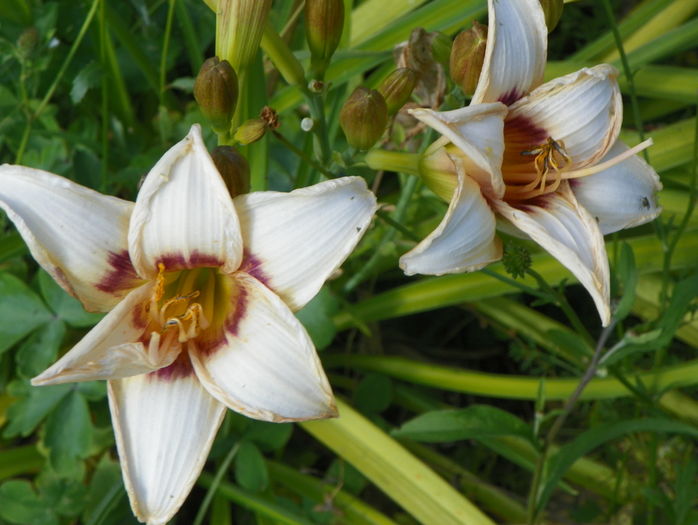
[363, 117]
[467, 57]
[216, 91]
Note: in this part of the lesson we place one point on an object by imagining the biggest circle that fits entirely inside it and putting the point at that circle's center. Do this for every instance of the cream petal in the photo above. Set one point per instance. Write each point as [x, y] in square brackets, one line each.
[477, 131]
[465, 240]
[77, 235]
[184, 216]
[111, 349]
[164, 428]
[294, 241]
[582, 110]
[570, 234]
[621, 196]
[517, 44]
[266, 367]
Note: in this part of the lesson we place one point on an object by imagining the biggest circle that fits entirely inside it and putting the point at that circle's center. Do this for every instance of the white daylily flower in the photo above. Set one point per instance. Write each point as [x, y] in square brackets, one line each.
[200, 290]
[544, 158]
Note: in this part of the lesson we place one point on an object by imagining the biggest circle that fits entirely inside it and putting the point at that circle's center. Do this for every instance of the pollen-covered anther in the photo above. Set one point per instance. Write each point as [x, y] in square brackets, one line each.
[550, 158]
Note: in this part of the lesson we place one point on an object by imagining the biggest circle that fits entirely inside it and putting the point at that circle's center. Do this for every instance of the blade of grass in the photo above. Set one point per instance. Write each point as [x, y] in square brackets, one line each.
[409, 482]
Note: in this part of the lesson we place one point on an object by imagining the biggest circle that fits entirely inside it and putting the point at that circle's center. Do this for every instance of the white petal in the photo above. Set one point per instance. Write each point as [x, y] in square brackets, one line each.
[517, 43]
[621, 196]
[570, 234]
[184, 216]
[110, 350]
[294, 241]
[267, 367]
[477, 131]
[164, 429]
[77, 235]
[465, 240]
[583, 110]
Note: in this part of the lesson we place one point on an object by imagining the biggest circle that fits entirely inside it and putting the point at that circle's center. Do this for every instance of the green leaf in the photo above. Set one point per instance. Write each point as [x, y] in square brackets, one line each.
[374, 393]
[474, 422]
[627, 273]
[88, 77]
[21, 311]
[316, 316]
[19, 504]
[250, 468]
[39, 350]
[591, 439]
[68, 434]
[269, 436]
[65, 496]
[34, 405]
[105, 490]
[65, 306]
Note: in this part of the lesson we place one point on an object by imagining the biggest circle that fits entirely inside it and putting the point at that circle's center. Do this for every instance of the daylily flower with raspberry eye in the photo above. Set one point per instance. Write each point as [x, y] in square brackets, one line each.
[543, 159]
[200, 290]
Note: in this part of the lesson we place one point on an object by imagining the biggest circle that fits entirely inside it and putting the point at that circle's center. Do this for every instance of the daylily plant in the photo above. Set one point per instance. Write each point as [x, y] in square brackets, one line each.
[542, 161]
[200, 290]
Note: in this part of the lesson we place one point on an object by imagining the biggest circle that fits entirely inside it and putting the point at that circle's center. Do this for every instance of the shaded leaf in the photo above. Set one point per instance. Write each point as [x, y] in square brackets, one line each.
[21, 311]
[19, 504]
[68, 434]
[34, 405]
[250, 468]
[39, 350]
[63, 305]
[316, 317]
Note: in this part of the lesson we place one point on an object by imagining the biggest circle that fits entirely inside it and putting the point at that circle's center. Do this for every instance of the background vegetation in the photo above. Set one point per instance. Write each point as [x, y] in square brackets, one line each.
[454, 391]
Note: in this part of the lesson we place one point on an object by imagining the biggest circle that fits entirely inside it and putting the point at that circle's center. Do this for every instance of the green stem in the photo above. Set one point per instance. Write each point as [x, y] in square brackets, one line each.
[302, 155]
[165, 48]
[397, 161]
[514, 386]
[59, 76]
[215, 483]
[103, 179]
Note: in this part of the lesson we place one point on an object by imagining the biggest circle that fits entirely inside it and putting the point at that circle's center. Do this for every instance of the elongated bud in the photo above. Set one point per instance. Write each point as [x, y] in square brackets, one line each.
[397, 88]
[234, 169]
[467, 57]
[216, 91]
[363, 117]
[441, 48]
[553, 12]
[324, 21]
[239, 28]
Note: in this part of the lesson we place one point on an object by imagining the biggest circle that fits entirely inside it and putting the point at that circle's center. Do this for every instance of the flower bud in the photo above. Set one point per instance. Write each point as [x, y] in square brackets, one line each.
[438, 171]
[239, 28]
[324, 21]
[467, 57]
[441, 48]
[27, 41]
[216, 91]
[397, 88]
[234, 169]
[363, 117]
[250, 131]
[553, 12]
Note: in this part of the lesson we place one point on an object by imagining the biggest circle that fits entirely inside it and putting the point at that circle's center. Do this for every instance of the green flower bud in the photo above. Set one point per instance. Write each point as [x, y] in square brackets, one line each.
[216, 91]
[324, 21]
[441, 48]
[363, 117]
[467, 57]
[239, 28]
[27, 41]
[553, 12]
[397, 88]
[234, 169]
[250, 131]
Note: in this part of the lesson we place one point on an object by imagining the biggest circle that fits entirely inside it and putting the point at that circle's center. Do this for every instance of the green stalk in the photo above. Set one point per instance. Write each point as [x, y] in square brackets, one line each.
[165, 48]
[215, 483]
[513, 386]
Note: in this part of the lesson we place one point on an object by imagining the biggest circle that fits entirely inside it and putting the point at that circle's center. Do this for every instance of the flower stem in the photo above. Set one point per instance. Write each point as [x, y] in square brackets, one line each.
[397, 161]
